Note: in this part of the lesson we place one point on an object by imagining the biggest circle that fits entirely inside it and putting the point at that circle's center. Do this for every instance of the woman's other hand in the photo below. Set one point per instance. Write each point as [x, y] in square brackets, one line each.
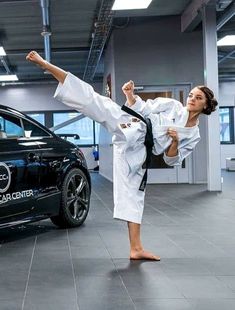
[128, 88]
[173, 134]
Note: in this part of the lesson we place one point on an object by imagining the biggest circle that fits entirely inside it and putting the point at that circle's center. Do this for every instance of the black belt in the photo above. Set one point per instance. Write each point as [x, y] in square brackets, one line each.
[148, 142]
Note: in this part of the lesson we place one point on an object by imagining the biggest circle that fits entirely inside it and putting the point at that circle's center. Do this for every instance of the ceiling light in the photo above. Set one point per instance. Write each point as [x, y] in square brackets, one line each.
[8, 77]
[2, 51]
[130, 4]
[226, 41]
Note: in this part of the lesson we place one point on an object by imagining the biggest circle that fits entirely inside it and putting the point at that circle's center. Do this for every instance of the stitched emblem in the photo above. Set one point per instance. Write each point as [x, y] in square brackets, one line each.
[135, 120]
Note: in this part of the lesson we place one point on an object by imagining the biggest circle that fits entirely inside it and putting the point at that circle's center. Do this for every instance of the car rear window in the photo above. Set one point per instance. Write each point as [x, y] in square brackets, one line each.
[10, 126]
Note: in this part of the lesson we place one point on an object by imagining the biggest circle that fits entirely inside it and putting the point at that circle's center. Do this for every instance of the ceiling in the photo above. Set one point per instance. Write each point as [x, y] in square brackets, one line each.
[72, 25]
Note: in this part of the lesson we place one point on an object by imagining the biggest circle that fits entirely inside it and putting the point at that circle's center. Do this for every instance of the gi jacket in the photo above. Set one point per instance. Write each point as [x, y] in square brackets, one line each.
[167, 113]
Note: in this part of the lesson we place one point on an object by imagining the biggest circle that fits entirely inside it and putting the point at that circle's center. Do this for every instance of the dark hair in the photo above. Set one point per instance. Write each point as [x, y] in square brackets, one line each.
[211, 101]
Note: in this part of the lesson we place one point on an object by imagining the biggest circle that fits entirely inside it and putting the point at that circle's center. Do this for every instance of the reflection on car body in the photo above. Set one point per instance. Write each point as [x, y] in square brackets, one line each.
[41, 175]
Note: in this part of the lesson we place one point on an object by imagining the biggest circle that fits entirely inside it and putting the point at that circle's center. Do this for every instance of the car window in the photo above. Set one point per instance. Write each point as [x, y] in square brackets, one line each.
[32, 130]
[10, 126]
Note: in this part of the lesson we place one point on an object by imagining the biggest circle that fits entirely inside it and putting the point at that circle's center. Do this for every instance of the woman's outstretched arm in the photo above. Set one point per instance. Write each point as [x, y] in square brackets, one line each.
[58, 73]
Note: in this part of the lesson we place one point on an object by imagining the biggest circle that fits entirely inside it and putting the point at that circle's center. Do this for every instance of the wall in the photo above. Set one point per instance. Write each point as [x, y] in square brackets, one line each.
[34, 97]
[155, 52]
[105, 146]
[227, 98]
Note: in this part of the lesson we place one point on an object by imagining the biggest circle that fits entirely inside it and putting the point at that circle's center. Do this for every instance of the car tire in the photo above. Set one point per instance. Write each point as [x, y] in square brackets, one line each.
[75, 200]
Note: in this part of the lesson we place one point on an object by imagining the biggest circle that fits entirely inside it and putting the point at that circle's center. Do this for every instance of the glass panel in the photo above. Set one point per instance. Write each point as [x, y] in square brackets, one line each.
[32, 130]
[10, 127]
[97, 133]
[225, 134]
[82, 127]
[39, 117]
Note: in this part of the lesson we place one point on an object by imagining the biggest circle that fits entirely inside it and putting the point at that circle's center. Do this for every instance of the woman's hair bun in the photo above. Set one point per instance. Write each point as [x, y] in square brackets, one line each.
[211, 101]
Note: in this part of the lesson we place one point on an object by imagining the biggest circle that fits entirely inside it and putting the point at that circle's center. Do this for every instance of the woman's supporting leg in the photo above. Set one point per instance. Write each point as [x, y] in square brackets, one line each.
[58, 73]
[137, 251]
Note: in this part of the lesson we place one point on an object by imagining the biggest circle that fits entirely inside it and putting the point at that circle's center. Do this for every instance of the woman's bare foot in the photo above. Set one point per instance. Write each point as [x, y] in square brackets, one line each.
[34, 57]
[143, 255]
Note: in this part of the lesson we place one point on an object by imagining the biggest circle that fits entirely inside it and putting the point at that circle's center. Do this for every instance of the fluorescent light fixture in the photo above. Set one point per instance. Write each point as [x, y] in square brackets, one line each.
[8, 77]
[2, 51]
[130, 4]
[227, 41]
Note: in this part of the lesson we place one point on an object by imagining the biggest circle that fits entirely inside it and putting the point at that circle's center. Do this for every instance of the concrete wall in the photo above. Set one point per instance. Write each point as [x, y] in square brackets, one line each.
[155, 52]
[227, 98]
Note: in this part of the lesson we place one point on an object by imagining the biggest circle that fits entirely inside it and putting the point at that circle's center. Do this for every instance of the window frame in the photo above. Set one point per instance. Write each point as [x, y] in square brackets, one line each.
[20, 121]
[231, 125]
[94, 134]
[48, 116]
[30, 120]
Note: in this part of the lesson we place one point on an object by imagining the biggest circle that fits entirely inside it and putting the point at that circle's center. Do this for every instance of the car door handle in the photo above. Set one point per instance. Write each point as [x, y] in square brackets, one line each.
[33, 157]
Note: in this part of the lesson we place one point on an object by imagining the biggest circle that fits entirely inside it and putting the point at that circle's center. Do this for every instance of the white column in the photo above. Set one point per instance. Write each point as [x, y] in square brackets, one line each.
[211, 80]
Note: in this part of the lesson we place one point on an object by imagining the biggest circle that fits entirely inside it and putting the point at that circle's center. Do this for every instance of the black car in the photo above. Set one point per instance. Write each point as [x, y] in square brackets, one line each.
[41, 175]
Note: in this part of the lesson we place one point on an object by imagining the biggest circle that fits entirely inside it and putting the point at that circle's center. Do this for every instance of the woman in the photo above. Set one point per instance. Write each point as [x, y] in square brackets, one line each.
[128, 132]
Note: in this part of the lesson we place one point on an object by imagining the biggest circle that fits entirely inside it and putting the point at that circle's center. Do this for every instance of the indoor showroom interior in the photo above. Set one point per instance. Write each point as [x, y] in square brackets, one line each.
[63, 246]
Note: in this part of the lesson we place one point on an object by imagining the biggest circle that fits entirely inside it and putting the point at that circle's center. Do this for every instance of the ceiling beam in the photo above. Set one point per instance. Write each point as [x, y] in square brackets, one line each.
[226, 56]
[16, 1]
[5, 65]
[227, 14]
[103, 27]
[191, 16]
[46, 31]
[221, 55]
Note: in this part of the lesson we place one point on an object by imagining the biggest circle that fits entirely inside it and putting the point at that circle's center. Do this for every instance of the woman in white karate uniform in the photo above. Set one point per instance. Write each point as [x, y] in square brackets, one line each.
[175, 133]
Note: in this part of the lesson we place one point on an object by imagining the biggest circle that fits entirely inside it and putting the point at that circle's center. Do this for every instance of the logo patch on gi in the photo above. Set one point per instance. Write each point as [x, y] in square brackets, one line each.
[123, 126]
[135, 120]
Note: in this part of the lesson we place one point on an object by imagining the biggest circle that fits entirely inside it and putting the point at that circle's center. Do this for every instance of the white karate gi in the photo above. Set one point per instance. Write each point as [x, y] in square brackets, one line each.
[129, 152]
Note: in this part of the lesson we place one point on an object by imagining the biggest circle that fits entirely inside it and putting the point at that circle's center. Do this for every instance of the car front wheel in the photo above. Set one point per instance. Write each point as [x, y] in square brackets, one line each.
[75, 200]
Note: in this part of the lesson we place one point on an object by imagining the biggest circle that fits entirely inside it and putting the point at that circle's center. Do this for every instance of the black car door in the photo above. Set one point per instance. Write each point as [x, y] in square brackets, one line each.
[51, 160]
[19, 168]
[53, 152]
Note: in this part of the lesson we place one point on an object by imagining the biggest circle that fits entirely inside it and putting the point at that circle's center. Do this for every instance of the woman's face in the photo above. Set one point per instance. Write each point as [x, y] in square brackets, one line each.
[196, 100]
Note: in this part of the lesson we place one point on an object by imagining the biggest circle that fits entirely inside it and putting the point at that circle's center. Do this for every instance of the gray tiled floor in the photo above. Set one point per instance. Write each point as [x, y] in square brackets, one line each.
[45, 268]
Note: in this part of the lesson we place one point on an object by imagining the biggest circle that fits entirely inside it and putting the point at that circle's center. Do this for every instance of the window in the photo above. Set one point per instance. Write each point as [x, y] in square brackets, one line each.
[32, 130]
[97, 132]
[10, 127]
[39, 117]
[226, 115]
[87, 129]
